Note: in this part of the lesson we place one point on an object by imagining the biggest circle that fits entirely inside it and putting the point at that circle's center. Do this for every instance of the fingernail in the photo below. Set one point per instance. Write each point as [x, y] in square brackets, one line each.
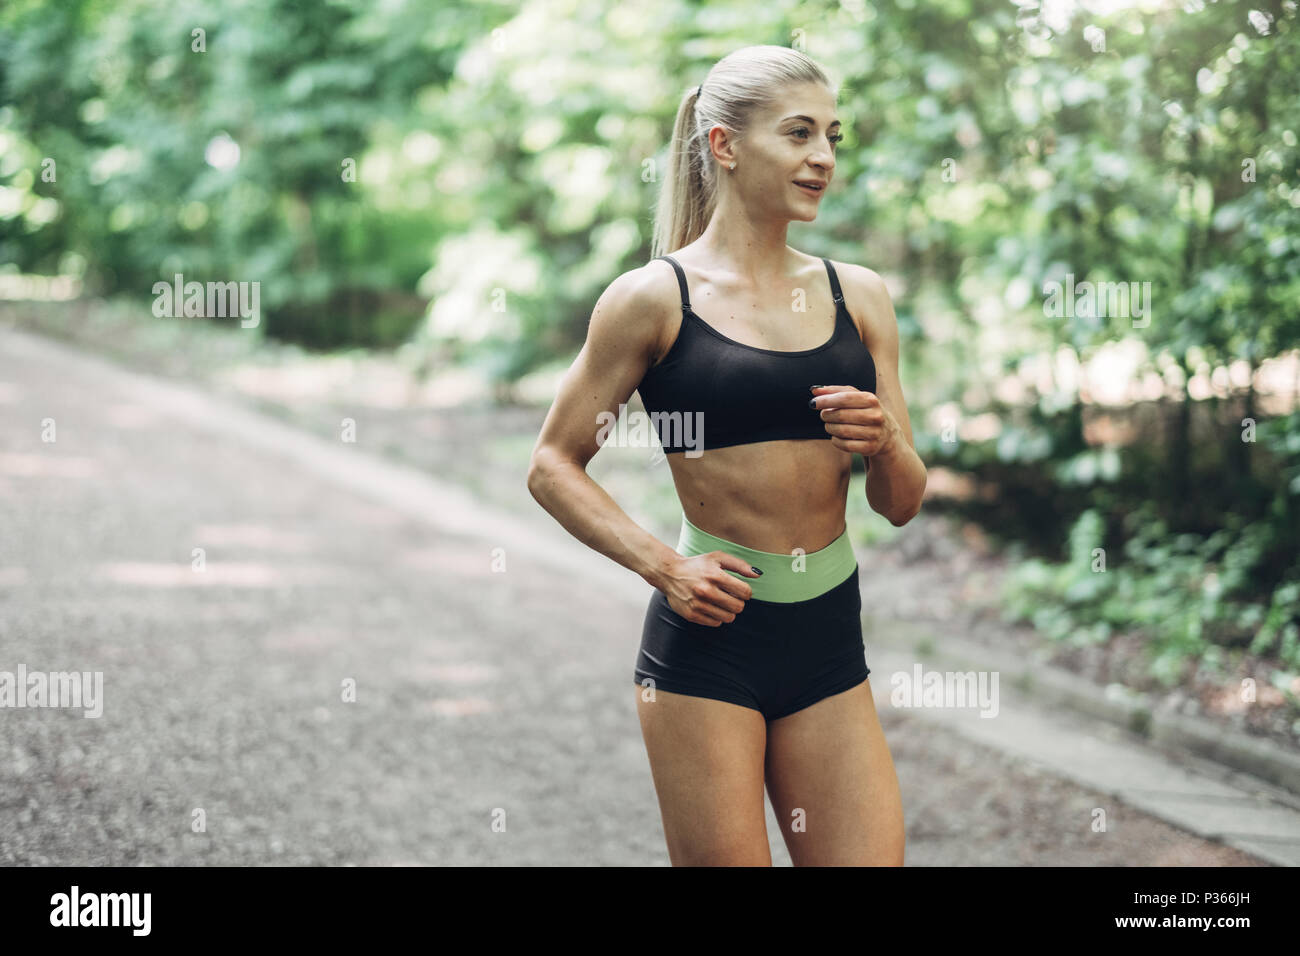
[754, 569]
[812, 403]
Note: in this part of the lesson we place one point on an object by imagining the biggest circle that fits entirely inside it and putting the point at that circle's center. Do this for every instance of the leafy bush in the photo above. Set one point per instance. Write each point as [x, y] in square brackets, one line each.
[1191, 596]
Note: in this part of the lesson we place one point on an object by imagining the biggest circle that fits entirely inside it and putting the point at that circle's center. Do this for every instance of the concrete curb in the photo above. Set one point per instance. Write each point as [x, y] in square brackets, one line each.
[1132, 710]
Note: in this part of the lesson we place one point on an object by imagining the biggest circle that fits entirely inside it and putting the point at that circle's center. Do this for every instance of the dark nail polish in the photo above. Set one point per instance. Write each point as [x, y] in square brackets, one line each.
[754, 569]
[812, 403]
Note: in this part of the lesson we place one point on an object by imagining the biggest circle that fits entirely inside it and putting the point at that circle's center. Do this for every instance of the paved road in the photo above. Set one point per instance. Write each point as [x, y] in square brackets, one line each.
[484, 692]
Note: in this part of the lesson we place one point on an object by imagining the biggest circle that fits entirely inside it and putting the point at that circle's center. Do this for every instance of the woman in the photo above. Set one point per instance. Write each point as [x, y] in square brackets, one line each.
[751, 666]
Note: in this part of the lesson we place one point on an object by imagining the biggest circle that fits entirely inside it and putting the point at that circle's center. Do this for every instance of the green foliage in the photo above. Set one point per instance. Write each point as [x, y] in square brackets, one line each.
[1189, 597]
[1119, 160]
[130, 110]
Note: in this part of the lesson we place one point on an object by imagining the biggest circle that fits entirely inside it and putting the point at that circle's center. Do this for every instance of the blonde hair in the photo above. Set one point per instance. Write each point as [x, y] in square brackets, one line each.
[741, 83]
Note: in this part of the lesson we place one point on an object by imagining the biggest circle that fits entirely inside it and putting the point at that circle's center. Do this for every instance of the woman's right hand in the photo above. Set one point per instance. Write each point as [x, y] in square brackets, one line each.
[700, 590]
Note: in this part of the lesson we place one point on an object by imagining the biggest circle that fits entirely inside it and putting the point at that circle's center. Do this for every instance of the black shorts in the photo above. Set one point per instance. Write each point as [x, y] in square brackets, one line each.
[776, 658]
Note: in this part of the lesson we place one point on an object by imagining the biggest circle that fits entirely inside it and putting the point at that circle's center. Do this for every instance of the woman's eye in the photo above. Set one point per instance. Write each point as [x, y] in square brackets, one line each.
[804, 131]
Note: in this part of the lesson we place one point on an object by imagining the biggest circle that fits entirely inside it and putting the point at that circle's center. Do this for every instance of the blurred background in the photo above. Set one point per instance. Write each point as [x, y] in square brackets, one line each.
[431, 197]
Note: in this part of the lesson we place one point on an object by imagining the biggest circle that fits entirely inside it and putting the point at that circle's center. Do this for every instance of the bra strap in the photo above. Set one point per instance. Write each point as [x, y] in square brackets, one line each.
[835, 282]
[681, 282]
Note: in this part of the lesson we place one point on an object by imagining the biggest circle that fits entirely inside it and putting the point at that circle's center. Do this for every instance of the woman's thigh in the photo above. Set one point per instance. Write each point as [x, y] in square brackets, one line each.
[707, 758]
[832, 783]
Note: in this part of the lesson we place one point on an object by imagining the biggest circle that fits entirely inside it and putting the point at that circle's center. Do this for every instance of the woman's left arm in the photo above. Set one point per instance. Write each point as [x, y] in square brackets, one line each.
[877, 426]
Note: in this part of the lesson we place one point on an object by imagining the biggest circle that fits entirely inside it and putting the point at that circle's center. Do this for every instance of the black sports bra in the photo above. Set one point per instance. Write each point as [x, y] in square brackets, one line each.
[710, 391]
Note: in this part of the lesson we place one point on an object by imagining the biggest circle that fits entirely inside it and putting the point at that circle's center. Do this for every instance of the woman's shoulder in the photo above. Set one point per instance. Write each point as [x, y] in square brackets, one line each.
[863, 277]
[867, 298]
[639, 305]
[640, 291]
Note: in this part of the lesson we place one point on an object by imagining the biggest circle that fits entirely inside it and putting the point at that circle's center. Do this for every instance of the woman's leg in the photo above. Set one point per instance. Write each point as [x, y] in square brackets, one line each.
[832, 783]
[706, 757]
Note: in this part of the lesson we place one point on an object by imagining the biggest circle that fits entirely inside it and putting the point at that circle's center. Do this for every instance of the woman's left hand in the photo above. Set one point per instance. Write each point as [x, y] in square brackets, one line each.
[855, 419]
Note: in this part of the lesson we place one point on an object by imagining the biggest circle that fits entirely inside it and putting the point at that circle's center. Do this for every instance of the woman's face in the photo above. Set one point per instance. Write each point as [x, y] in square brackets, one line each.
[792, 142]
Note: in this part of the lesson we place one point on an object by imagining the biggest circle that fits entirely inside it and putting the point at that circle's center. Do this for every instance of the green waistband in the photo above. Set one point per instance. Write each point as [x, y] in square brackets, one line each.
[786, 577]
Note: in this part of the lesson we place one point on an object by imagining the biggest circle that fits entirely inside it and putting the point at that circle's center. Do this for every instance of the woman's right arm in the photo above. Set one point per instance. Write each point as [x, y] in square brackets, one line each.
[622, 340]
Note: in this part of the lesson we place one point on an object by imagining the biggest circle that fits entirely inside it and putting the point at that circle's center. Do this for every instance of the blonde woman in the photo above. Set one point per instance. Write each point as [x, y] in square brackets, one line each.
[751, 668]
